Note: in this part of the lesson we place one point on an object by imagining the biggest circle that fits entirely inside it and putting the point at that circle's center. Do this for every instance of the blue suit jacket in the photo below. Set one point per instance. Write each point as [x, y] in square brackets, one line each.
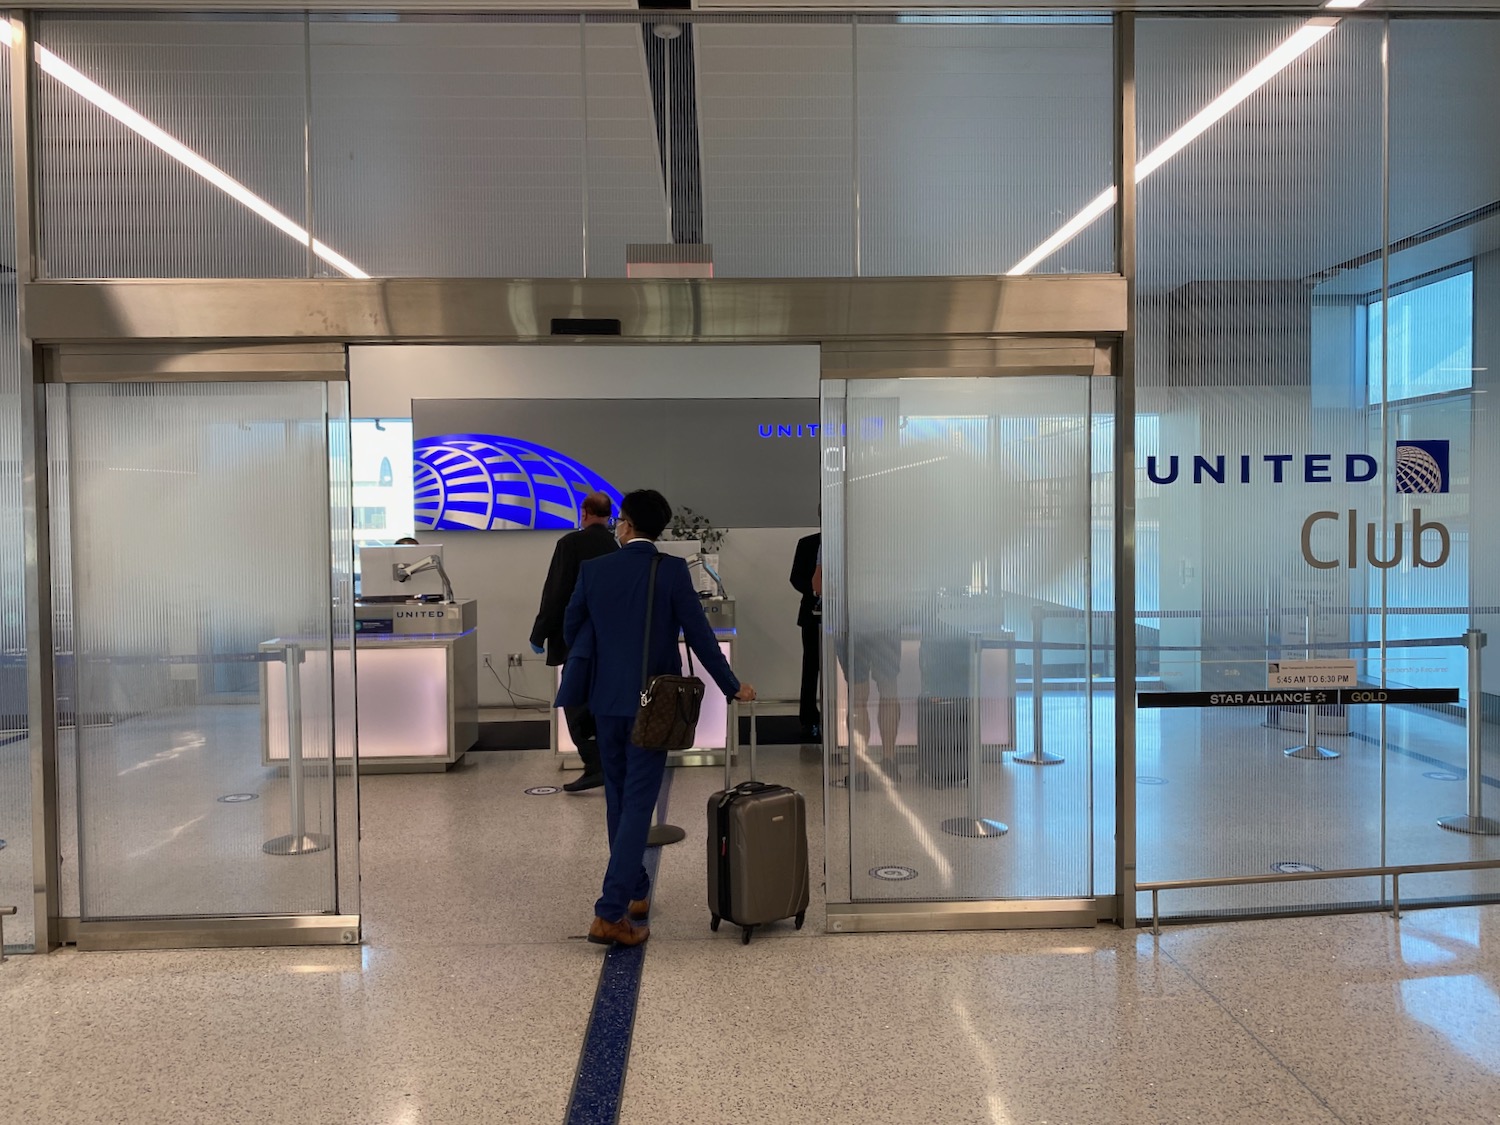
[602, 628]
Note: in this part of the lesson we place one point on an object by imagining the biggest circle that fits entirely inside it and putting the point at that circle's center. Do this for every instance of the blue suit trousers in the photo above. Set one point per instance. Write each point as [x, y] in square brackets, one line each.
[632, 783]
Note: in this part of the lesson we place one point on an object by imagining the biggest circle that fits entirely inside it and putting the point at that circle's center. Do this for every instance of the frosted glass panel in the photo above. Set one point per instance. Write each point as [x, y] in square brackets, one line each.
[1441, 369]
[625, 183]
[1304, 484]
[200, 560]
[1247, 359]
[130, 193]
[776, 105]
[977, 141]
[958, 518]
[450, 148]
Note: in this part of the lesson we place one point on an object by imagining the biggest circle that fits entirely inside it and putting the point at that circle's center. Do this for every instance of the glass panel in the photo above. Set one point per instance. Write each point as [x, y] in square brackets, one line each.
[979, 137]
[960, 599]
[776, 113]
[450, 148]
[172, 147]
[1253, 422]
[201, 564]
[1443, 326]
[16, 878]
[626, 192]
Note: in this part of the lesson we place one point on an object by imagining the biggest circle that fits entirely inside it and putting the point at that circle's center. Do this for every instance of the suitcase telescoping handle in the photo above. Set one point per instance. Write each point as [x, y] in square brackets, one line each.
[729, 751]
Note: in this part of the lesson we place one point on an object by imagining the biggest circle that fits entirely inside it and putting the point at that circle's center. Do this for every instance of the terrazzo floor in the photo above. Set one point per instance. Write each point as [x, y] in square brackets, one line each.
[469, 1001]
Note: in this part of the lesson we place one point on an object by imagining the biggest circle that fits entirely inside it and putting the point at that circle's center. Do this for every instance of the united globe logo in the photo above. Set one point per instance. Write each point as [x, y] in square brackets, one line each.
[1422, 466]
[486, 482]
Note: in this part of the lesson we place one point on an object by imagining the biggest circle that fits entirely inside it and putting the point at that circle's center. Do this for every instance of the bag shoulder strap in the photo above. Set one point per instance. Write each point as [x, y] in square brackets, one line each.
[650, 606]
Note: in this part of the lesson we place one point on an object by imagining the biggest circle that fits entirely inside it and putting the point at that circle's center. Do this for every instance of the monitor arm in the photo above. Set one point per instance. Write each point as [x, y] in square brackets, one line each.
[406, 571]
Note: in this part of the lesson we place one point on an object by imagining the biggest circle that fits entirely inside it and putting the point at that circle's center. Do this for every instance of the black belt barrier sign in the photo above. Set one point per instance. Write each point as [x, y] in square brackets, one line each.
[1157, 700]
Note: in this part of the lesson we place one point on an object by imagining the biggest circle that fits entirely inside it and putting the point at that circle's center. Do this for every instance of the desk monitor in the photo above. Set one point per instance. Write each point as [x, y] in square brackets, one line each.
[377, 573]
[691, 550]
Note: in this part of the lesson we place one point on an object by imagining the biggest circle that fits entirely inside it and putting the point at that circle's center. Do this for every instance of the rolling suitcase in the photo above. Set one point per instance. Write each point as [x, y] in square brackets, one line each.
[757, 851]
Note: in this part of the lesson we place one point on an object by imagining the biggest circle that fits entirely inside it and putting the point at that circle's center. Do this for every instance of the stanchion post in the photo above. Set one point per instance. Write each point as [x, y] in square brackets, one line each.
[1037, 756]
[1474, 822]
[1310, 748]
[975, 824]
[298, 841]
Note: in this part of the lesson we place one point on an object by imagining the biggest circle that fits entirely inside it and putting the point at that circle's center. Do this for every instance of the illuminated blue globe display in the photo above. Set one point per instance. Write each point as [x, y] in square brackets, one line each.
[485, 482]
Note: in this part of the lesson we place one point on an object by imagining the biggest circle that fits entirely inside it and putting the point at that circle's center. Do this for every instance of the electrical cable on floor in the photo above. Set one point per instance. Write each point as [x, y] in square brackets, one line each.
[536, 703]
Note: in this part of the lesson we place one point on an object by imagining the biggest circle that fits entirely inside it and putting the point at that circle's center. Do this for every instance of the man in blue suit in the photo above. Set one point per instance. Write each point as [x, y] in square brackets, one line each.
[604, 631]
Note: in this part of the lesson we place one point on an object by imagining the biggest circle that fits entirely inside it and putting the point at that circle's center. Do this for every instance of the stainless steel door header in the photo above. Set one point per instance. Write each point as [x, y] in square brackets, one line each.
[199, 363]
[489, 310]
[967, 356]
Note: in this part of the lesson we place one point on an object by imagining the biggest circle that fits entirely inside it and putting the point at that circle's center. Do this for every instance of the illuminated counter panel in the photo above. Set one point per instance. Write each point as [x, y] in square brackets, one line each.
[417, 700]
[997, 698]
[713, 733]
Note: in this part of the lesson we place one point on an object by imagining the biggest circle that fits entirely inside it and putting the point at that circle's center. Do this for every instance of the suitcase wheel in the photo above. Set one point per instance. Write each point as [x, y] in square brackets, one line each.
[745, 935]
[713, 923]
[801, 917]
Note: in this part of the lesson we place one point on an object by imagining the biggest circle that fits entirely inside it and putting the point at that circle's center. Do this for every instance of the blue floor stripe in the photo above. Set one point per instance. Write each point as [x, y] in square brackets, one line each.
[599, 1082]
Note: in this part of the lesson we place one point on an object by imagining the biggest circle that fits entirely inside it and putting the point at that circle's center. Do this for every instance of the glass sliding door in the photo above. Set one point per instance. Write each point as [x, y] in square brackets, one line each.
[210, 562]
[961, 520]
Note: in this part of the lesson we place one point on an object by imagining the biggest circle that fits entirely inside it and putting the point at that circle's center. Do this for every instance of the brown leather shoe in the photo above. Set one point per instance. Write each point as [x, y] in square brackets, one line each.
[622, 932]
[640, 908]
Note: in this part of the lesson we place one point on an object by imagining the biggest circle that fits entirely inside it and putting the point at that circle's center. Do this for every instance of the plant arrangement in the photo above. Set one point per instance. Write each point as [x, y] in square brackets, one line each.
[688, 524]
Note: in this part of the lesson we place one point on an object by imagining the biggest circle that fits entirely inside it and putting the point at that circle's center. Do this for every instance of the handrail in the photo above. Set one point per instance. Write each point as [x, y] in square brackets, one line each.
[1395, 871]
[1332, 611]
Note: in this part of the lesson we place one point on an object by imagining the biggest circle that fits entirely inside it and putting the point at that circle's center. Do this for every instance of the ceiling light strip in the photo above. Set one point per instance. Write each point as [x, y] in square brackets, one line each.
[137, 123]
[1300, 42]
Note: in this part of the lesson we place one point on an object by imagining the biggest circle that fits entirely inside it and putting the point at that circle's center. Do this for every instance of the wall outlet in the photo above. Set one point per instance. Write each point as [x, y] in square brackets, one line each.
[487, 658]
[513, 660]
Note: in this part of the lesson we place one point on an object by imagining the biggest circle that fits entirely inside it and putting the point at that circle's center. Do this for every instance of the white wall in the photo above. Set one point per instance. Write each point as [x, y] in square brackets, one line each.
[505, 570]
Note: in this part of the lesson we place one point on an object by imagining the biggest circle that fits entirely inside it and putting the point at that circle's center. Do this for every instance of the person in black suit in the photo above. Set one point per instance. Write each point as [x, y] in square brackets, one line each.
[592, 539]
[810, 621]
[607, 628]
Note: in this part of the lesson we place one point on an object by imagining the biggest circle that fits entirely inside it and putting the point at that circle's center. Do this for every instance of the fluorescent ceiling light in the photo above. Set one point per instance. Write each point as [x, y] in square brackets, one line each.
[1301, 41]
[91, 91]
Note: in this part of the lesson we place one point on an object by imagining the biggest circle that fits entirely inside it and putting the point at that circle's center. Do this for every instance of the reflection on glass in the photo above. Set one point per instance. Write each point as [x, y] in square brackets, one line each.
[959, 535]
[381, 450]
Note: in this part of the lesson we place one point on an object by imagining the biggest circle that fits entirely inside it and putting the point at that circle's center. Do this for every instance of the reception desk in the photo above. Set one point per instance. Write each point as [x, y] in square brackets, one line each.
[417, 701]
[714, 732]
[997, 696]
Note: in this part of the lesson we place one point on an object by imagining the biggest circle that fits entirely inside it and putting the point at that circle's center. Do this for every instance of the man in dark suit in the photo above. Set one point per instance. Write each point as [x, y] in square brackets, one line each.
[605, 623]
[810, 621]
[592, 539]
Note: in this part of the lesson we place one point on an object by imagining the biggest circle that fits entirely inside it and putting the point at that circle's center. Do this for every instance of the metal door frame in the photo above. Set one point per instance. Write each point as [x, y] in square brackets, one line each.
[1007, 357]
[63, 366]
[198, 330]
